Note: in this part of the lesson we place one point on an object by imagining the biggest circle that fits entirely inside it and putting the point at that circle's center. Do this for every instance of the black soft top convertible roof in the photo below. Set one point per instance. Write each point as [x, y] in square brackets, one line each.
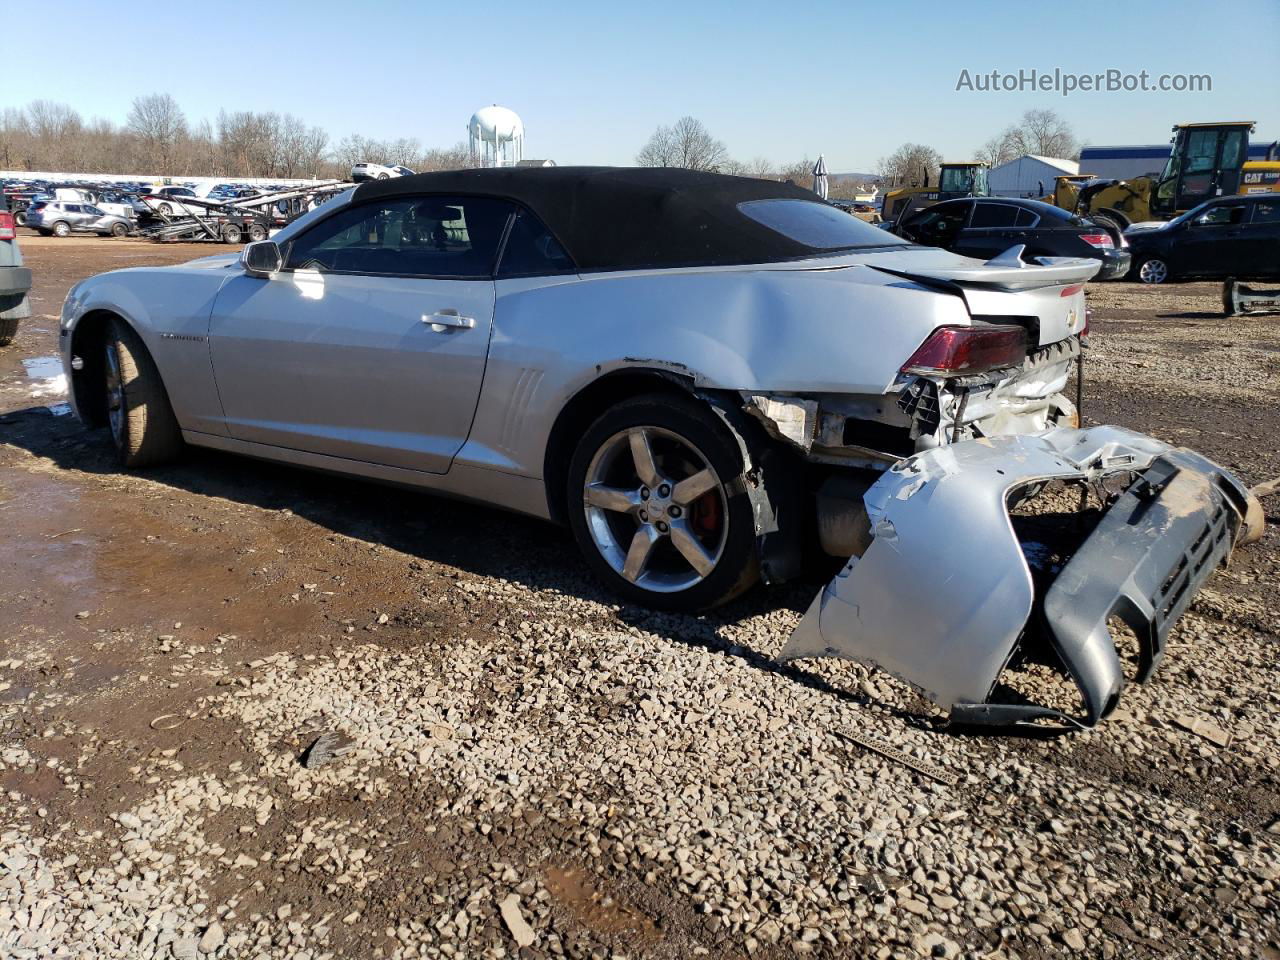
[617, 218]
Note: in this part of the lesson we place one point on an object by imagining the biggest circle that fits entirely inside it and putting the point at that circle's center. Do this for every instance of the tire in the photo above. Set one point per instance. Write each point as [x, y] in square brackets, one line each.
[8, 330]
[119, 230]
[20, 218]
[231, 233]
[62, 229]
[1152, 270]
[713, 522]
[165, 209]
[141, 421]
[383, 176]
[257, 232]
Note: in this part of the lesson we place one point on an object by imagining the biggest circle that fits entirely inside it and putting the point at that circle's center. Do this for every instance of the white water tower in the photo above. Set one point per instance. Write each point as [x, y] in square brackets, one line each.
[497, 137]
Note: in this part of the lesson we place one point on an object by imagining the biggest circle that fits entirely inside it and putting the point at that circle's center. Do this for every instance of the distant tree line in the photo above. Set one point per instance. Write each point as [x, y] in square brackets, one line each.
[156, 138]
[688, 143]
[1039, 132]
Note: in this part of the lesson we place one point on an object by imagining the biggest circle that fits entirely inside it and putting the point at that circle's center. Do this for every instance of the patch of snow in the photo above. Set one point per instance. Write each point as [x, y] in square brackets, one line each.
[52, 381]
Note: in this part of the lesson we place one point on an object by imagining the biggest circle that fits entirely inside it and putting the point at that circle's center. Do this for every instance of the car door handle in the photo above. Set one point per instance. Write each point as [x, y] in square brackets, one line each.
[446, 319]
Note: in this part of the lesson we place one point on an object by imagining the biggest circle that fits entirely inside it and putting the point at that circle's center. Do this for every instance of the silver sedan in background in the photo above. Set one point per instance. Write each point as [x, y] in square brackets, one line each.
[61, 218]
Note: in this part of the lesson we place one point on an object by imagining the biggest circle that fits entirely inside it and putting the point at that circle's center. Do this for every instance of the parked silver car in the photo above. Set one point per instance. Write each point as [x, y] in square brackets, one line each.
[15, 279]
[61, 219]
[698, 374]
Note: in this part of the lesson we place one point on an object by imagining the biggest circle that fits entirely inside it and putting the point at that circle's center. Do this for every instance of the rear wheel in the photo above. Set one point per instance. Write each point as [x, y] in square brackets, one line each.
[62, 229]
[383, 176]
[1153, 270]
[143, 427]
[165, 209]
[657, 507]
[231, 233]
[257, 232]
[20, 218]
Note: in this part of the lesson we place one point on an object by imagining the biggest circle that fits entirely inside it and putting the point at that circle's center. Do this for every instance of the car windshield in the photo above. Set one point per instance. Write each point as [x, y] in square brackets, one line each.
[815, 224]
[956, 180]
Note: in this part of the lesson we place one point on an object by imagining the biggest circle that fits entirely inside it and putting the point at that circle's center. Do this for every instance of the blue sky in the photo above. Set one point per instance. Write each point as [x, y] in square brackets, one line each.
[592, 80]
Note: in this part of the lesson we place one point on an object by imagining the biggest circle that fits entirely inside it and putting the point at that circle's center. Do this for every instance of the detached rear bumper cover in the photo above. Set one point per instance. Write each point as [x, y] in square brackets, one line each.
[943, 594]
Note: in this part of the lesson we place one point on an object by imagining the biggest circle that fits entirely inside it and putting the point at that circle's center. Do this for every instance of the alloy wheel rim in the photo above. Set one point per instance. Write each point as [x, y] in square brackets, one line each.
[656, 509]
[1154, 271]
[115, 395]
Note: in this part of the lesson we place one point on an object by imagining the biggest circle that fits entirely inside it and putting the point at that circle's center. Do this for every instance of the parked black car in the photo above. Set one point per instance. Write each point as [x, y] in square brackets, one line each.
[1224, 237]
[985, 227]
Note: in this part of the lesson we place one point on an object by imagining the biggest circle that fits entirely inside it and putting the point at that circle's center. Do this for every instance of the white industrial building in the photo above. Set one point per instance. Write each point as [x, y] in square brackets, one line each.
[1028, 176]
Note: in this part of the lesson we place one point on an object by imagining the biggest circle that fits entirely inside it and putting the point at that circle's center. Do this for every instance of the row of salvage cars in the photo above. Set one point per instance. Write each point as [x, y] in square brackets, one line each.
[702, 376]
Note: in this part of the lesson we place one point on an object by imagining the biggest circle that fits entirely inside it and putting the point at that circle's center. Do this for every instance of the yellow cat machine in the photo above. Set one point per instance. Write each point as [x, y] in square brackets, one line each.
[1206, 160]
[955, 180]
[1262, 176]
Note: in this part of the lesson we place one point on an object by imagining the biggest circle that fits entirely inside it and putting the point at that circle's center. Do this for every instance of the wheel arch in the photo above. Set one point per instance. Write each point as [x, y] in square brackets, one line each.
[584, 407]
[88, 339]
[773, 472]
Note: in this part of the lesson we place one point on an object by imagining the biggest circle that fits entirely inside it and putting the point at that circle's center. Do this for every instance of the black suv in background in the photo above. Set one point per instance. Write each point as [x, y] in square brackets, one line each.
[1225, 237]
[985, 227]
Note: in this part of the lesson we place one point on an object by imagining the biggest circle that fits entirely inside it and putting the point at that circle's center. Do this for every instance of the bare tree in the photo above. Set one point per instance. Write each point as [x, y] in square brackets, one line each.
[157, 139]
[1040, 132]
[160, 126]
[912, 164]
[457, 157]
[687, 144]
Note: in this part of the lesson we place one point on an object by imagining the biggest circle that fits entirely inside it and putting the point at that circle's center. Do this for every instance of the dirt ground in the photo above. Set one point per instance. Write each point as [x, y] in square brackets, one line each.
[532, 763]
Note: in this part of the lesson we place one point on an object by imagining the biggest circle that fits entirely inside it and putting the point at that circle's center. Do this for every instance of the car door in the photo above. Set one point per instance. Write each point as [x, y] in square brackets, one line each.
[1260, 250]
[990, 232]
[1211, 242]
[370, 343]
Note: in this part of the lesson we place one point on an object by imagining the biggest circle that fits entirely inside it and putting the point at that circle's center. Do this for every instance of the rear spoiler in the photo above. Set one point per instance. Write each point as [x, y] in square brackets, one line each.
[1005, 272]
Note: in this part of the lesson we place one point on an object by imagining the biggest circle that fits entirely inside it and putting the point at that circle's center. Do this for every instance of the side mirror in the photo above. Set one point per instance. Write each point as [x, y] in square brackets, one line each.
[261, 258]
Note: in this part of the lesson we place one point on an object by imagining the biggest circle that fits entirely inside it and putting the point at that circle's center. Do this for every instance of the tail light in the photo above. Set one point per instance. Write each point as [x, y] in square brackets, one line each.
[1102, 241]
[956, 351]
[8, 230]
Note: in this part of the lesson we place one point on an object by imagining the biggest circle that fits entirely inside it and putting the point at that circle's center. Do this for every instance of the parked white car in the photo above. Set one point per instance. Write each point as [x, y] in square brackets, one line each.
[377, 171]
[698, 375]
[168, 201]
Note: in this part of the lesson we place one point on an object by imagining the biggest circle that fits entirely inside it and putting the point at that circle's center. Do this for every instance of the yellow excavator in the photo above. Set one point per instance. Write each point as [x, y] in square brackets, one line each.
[955, 180]
[1206, 160]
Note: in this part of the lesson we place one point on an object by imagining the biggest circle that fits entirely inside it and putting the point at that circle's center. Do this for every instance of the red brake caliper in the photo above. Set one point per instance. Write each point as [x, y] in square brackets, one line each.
[706, 514]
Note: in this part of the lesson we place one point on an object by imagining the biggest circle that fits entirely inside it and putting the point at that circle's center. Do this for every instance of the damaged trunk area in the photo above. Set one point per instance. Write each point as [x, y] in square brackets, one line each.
[1004, 577]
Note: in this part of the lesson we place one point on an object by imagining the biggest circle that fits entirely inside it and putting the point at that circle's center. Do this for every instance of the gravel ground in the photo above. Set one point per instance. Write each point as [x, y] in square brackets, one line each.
[513, 765]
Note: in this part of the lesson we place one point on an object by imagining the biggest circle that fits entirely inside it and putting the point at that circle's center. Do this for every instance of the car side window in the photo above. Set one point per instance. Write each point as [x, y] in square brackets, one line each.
[1266, 212]
[994, 215]
[531, 250]
[1222, 215]
[1026, 218]
[942, 220]
[408, 237]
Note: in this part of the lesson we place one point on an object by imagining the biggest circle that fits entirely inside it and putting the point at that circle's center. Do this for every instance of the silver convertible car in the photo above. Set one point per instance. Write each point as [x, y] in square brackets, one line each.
[702, 376]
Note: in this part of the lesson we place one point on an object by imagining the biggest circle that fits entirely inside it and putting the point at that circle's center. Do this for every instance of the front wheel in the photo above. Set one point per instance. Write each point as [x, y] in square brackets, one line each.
[1153, 270]
[658, 508]
[119, 230]
[143, 427]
